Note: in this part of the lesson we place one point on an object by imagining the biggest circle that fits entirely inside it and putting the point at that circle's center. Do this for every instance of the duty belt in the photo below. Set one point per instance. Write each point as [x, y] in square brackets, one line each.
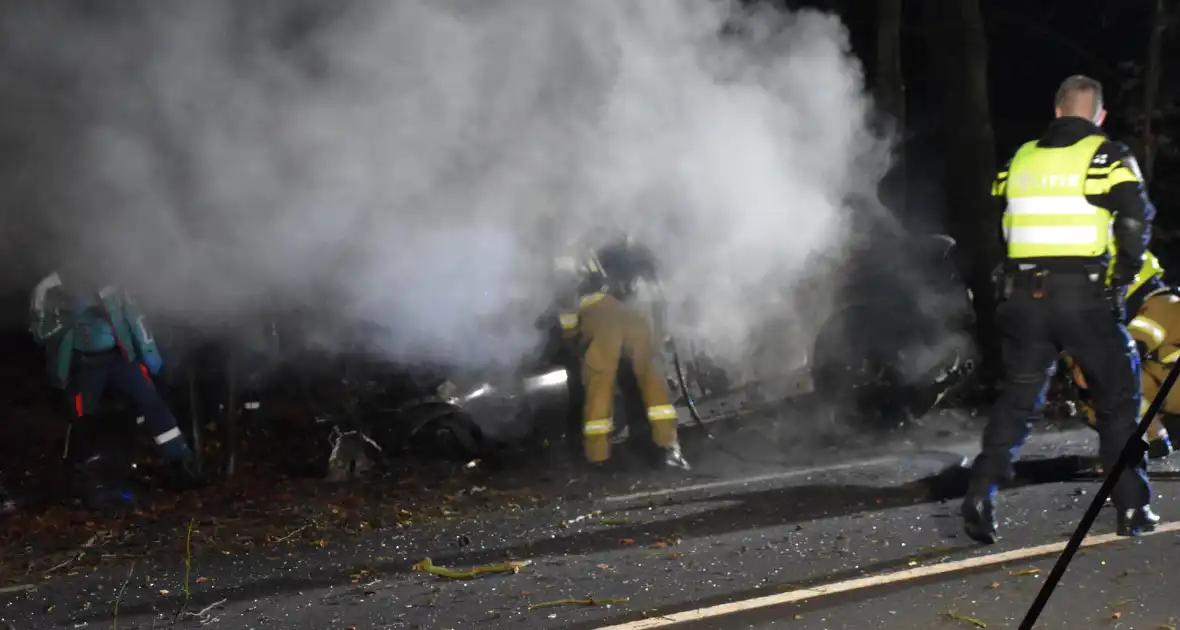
[1033, 277]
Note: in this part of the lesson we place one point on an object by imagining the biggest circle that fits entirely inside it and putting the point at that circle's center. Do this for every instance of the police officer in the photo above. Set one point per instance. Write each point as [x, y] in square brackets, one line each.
[1075, 211]
[96, 338]
[609, 329]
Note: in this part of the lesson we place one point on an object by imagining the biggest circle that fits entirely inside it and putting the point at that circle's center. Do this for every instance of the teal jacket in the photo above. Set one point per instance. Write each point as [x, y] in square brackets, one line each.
[54, 320]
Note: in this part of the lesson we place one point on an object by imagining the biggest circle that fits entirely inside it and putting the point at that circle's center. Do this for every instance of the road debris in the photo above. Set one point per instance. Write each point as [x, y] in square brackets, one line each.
[503, 567]
[582, 517]
[968, 620]
[289, 536]
[205, 616]
[592, 601]
[90, 543]
[1025, 572]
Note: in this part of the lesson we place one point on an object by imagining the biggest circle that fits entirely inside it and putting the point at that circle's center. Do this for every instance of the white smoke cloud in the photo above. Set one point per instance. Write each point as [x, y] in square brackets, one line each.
[418, 163]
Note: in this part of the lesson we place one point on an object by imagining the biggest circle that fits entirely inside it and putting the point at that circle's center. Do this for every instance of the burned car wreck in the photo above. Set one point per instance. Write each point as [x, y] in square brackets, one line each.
[902, 337]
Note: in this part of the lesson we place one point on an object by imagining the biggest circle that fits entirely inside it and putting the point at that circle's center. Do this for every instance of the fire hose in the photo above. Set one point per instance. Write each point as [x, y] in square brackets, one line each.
[682, 382]
[1133, 452]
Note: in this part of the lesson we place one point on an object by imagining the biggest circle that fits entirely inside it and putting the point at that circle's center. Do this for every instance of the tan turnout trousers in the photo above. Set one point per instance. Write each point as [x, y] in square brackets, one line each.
[610, 330]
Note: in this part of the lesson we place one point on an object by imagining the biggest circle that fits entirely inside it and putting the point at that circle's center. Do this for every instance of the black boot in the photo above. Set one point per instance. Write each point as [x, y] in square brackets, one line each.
[1134, 522]
[1159, 448]
[105, 482]
[184, 473]
[979, 515]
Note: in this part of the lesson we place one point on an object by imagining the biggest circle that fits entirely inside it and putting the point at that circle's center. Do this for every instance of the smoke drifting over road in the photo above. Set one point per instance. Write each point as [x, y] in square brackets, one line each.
[418, 163]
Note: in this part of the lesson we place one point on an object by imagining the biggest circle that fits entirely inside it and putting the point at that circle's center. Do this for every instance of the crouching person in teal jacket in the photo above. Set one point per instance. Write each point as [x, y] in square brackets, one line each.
[96, 338]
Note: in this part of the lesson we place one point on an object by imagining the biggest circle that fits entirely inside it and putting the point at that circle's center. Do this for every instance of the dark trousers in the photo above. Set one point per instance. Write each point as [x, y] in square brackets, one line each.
[1074, 315]
[93, 373]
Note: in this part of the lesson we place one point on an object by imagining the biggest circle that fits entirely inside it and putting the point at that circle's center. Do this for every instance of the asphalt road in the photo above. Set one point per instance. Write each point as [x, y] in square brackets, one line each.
[735, 530]
[1130, 584]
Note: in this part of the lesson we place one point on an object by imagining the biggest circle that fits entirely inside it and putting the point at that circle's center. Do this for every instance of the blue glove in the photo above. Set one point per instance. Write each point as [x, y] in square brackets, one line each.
[154, 362]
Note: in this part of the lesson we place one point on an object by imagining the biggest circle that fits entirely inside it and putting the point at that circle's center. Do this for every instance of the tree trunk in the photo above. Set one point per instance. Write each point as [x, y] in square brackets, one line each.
[890, 93]
[957, 53]
[1152, 71]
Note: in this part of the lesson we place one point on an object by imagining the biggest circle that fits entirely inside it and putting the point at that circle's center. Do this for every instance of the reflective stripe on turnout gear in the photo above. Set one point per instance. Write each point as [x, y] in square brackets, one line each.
[569, 321]
[1150, 269]
[1047, 213]
[590, 299]
[662, 412]
[599, 427]
[1149, 326]
[167, 436]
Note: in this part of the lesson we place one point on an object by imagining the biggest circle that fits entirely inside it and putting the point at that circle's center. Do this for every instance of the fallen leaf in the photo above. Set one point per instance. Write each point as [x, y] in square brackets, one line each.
[659, 544]
[1164, 626]
[163, 591]
[994, 585]
[202, 580]
[604, 566]
[513, 566]
[628, 541]
[968, 620]
[322, 542]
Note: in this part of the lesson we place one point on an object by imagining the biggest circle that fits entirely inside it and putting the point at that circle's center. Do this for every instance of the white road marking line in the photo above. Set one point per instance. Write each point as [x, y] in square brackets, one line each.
[871, 581]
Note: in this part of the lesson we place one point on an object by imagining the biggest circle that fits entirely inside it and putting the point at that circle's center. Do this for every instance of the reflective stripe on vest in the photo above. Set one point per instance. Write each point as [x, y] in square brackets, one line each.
[1048, 214]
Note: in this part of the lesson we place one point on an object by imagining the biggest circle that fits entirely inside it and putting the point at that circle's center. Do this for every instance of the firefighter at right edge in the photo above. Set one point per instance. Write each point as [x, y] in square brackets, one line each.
[1076, 211]
[1153, 314]
[609, 329]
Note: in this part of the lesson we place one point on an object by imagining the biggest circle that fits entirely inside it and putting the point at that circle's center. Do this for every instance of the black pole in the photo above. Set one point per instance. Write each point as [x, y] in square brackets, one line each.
[1132, 453]
[231, 415]
[195, 414]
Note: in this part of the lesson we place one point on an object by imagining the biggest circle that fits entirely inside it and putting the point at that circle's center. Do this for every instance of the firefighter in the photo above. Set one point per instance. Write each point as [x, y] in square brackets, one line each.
[1155, 313]
[1075, 211]
[608, 329]
[95, 338]
[1149, 281]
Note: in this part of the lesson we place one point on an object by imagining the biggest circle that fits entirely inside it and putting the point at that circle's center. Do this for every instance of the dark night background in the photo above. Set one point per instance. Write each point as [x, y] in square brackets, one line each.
[957, 127]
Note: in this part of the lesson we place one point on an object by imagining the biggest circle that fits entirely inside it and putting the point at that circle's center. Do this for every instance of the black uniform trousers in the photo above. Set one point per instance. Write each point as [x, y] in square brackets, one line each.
[90, 376]
[1041, 317]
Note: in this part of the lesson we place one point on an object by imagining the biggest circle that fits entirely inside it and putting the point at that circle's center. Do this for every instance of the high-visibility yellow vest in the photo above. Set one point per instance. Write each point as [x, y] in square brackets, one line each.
[1048, 214]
